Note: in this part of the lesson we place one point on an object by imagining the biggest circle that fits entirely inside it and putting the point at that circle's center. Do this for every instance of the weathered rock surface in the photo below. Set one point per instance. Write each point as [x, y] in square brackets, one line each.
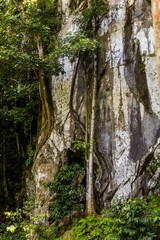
[128, 110]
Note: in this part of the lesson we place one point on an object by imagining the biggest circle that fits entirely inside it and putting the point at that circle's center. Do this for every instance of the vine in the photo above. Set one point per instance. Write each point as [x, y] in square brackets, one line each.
[81, 44]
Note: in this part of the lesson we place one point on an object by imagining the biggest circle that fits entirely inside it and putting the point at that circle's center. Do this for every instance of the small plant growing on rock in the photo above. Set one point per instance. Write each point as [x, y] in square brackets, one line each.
[66, 196]
[84, 147]
[154, 165]
[142, 64]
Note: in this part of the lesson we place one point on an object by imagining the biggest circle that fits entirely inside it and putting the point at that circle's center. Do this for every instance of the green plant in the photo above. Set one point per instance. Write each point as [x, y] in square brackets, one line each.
[66, 197]
[29, 160]
[82, 146]
[92, 227]
[9, 232]
[135, 219]
[30, 204]
[97, 11]
[78, 42]
[21, 223]
[143, 66]
[154, 164]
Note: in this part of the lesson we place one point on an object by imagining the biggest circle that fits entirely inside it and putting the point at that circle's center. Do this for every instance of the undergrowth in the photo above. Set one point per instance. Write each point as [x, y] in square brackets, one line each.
[133, 219]
[66, 196]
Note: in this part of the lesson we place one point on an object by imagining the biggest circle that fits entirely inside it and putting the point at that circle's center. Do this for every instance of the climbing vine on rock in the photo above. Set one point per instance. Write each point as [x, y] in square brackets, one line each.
[81, 45]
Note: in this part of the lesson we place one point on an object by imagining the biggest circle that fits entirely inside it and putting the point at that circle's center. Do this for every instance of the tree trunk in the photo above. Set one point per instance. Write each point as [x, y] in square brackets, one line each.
[90, 208]
[89, 187]
[156, 24]
[20, 148]
[86, 109]
[4, 160]
[47, 112]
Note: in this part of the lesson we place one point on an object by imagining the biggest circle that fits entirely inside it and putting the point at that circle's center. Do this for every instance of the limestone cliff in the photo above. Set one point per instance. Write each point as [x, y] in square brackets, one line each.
[127, 128]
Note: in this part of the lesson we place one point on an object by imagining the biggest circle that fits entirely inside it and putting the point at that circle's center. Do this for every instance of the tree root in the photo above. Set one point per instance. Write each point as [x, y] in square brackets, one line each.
[74, 114]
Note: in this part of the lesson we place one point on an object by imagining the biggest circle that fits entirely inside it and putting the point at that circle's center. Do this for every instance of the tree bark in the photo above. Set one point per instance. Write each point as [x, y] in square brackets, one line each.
[20, 148]
[90, 209]
[4, 160]
[156, 24]
[86, 107]
[47, 112]
[74, 114]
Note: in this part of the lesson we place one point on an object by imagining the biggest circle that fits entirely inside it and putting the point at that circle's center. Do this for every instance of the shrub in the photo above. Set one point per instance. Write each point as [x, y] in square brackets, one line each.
[134, 219]
[92, 227]
[21, 223]
[66, 197]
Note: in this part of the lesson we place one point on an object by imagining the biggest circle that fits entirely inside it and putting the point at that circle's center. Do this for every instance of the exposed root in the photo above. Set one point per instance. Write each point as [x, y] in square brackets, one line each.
[74, 114]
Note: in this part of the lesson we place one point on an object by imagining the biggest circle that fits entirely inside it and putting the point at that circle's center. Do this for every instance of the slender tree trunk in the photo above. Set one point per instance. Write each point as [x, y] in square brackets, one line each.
[156, 24]
[4, 159]
[86, 107]
[20, 147]
[90, 209]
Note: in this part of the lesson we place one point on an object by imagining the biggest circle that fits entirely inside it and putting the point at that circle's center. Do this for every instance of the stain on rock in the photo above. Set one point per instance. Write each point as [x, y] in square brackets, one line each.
[141, 82]
[137, 145]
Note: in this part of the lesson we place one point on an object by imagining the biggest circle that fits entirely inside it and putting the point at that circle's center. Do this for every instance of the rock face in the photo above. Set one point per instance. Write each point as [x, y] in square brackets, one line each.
[127, 128]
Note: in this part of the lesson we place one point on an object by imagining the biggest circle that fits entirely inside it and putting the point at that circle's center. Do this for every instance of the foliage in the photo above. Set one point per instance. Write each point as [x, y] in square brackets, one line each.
[97, 11]
[66, 197]
[92, 227]
[19, 58]
[30, 204]
[142, 63]
[21, 223]
[134, 219]
[8, 231]
[82, 146]
[85, 40]
[154, 164]
[78, 42]
[23, 24]
[22, 100]
[19, 31]
[143, 66]
[19, 109]
[29, 160]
